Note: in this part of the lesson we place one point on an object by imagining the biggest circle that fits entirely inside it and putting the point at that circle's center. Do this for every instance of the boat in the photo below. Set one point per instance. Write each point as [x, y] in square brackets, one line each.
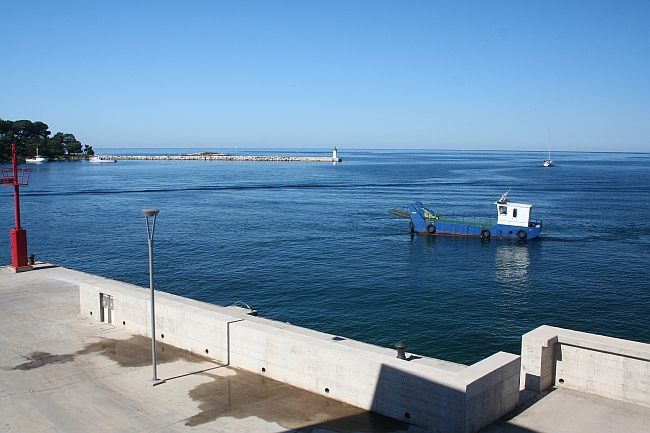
[549, 162]
[101, 159]
[38, 159]
[513, 222]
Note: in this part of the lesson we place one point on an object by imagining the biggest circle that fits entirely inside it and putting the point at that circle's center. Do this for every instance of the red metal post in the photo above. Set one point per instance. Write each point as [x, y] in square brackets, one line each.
[14, 164]
[18, 234]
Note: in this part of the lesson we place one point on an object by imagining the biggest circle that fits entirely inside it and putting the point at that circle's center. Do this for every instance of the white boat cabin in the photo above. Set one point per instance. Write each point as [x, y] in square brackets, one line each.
[513, 214]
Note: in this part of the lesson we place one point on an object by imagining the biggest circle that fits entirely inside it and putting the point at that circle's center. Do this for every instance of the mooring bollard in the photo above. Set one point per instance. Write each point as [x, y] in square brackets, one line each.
[401, 349]
[31, 259]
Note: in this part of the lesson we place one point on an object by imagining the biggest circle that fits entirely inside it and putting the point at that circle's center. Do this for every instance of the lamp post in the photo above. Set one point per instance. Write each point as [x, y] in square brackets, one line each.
[17, 177]
[150, 232]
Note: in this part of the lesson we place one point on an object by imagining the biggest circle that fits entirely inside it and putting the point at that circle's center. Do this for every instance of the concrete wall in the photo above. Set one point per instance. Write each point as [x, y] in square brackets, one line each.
[606, 366]
[435, 394]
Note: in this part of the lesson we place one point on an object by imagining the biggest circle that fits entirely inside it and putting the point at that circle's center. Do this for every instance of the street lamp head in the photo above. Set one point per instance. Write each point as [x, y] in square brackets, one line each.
[150, 212]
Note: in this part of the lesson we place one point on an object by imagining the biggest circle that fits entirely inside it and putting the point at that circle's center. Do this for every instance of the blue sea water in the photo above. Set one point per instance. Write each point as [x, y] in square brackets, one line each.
[313, 244]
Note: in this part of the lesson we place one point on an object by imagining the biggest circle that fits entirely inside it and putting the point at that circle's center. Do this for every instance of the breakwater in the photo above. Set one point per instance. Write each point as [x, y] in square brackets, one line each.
[224, 157]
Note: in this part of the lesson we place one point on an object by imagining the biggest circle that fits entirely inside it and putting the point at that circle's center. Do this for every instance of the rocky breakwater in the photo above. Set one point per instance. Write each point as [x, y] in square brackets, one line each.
[223, 157]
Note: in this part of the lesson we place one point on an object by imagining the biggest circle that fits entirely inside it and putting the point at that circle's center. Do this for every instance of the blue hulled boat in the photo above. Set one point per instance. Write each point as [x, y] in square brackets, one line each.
[513, 222]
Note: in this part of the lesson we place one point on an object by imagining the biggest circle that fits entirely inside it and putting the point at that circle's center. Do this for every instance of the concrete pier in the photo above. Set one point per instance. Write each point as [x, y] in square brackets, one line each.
[65, 371]
[61, 372]
[223, 157]
[425, 392]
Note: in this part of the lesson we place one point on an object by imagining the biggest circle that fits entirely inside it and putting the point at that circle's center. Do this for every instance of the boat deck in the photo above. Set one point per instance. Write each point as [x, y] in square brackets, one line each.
[478, 222]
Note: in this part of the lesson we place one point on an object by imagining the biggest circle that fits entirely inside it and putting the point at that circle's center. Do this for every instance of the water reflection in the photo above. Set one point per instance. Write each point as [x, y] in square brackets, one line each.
[511, 266]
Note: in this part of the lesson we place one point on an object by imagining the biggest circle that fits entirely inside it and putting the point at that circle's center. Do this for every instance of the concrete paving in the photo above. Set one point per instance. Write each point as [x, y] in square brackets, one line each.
[566, 411]
[60, 372]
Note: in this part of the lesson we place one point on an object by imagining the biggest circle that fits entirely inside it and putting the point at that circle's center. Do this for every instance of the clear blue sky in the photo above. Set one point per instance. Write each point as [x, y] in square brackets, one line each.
[352, 74]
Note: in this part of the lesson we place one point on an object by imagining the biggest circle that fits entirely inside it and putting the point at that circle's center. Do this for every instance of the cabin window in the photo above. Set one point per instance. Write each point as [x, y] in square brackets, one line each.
[503, 210]
[514, 213]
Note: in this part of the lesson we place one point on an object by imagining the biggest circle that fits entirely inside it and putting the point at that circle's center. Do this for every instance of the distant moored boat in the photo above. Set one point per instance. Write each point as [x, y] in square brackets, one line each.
[38, 159]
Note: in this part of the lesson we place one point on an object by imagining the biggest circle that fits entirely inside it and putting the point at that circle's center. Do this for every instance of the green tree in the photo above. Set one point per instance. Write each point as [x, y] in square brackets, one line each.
[72, 145]
[88, 150]
[6, 138]
[55, 146]
[27, 136]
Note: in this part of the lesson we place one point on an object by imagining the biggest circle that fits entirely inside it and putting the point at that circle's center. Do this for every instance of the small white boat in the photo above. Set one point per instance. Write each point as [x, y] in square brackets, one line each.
[38, 159]
[100, 159]
[549, 162]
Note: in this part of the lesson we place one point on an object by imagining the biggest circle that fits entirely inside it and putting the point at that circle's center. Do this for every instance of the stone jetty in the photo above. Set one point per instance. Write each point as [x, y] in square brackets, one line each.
[223, 157]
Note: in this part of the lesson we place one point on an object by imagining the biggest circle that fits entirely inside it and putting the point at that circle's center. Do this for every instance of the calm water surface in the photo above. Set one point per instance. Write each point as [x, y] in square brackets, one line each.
[313, 244]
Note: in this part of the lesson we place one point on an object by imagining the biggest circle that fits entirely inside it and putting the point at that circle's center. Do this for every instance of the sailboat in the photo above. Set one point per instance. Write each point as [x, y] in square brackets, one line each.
[549, 162]
[38, 159]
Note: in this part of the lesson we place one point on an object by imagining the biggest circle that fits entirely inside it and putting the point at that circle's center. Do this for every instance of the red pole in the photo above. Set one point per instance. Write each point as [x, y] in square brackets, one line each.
[18, 235]
[14, 163]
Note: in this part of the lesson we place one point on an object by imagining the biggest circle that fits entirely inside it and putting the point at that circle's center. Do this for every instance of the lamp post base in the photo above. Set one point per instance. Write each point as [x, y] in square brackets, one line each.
[19, 248]
[154, 382]
[19, 268]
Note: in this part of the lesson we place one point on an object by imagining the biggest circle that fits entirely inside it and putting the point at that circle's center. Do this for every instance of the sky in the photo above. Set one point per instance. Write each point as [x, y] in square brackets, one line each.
[484, 75]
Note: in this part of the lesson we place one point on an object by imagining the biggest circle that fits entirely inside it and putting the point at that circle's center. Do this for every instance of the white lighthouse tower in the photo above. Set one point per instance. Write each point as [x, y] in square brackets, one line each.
[334, 157]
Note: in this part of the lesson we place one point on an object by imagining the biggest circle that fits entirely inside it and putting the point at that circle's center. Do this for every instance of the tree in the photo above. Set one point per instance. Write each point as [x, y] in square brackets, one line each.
[55, 145]
[72, 146]
[28, 136]
[25, 134]
[88, 150]
[6, 138]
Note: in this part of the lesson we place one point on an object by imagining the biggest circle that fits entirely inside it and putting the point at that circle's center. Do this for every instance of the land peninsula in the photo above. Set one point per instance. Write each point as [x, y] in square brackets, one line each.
[29, 136]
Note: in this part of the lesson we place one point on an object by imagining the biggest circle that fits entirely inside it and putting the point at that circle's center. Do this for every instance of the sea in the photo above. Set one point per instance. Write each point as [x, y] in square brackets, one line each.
[313, 244]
